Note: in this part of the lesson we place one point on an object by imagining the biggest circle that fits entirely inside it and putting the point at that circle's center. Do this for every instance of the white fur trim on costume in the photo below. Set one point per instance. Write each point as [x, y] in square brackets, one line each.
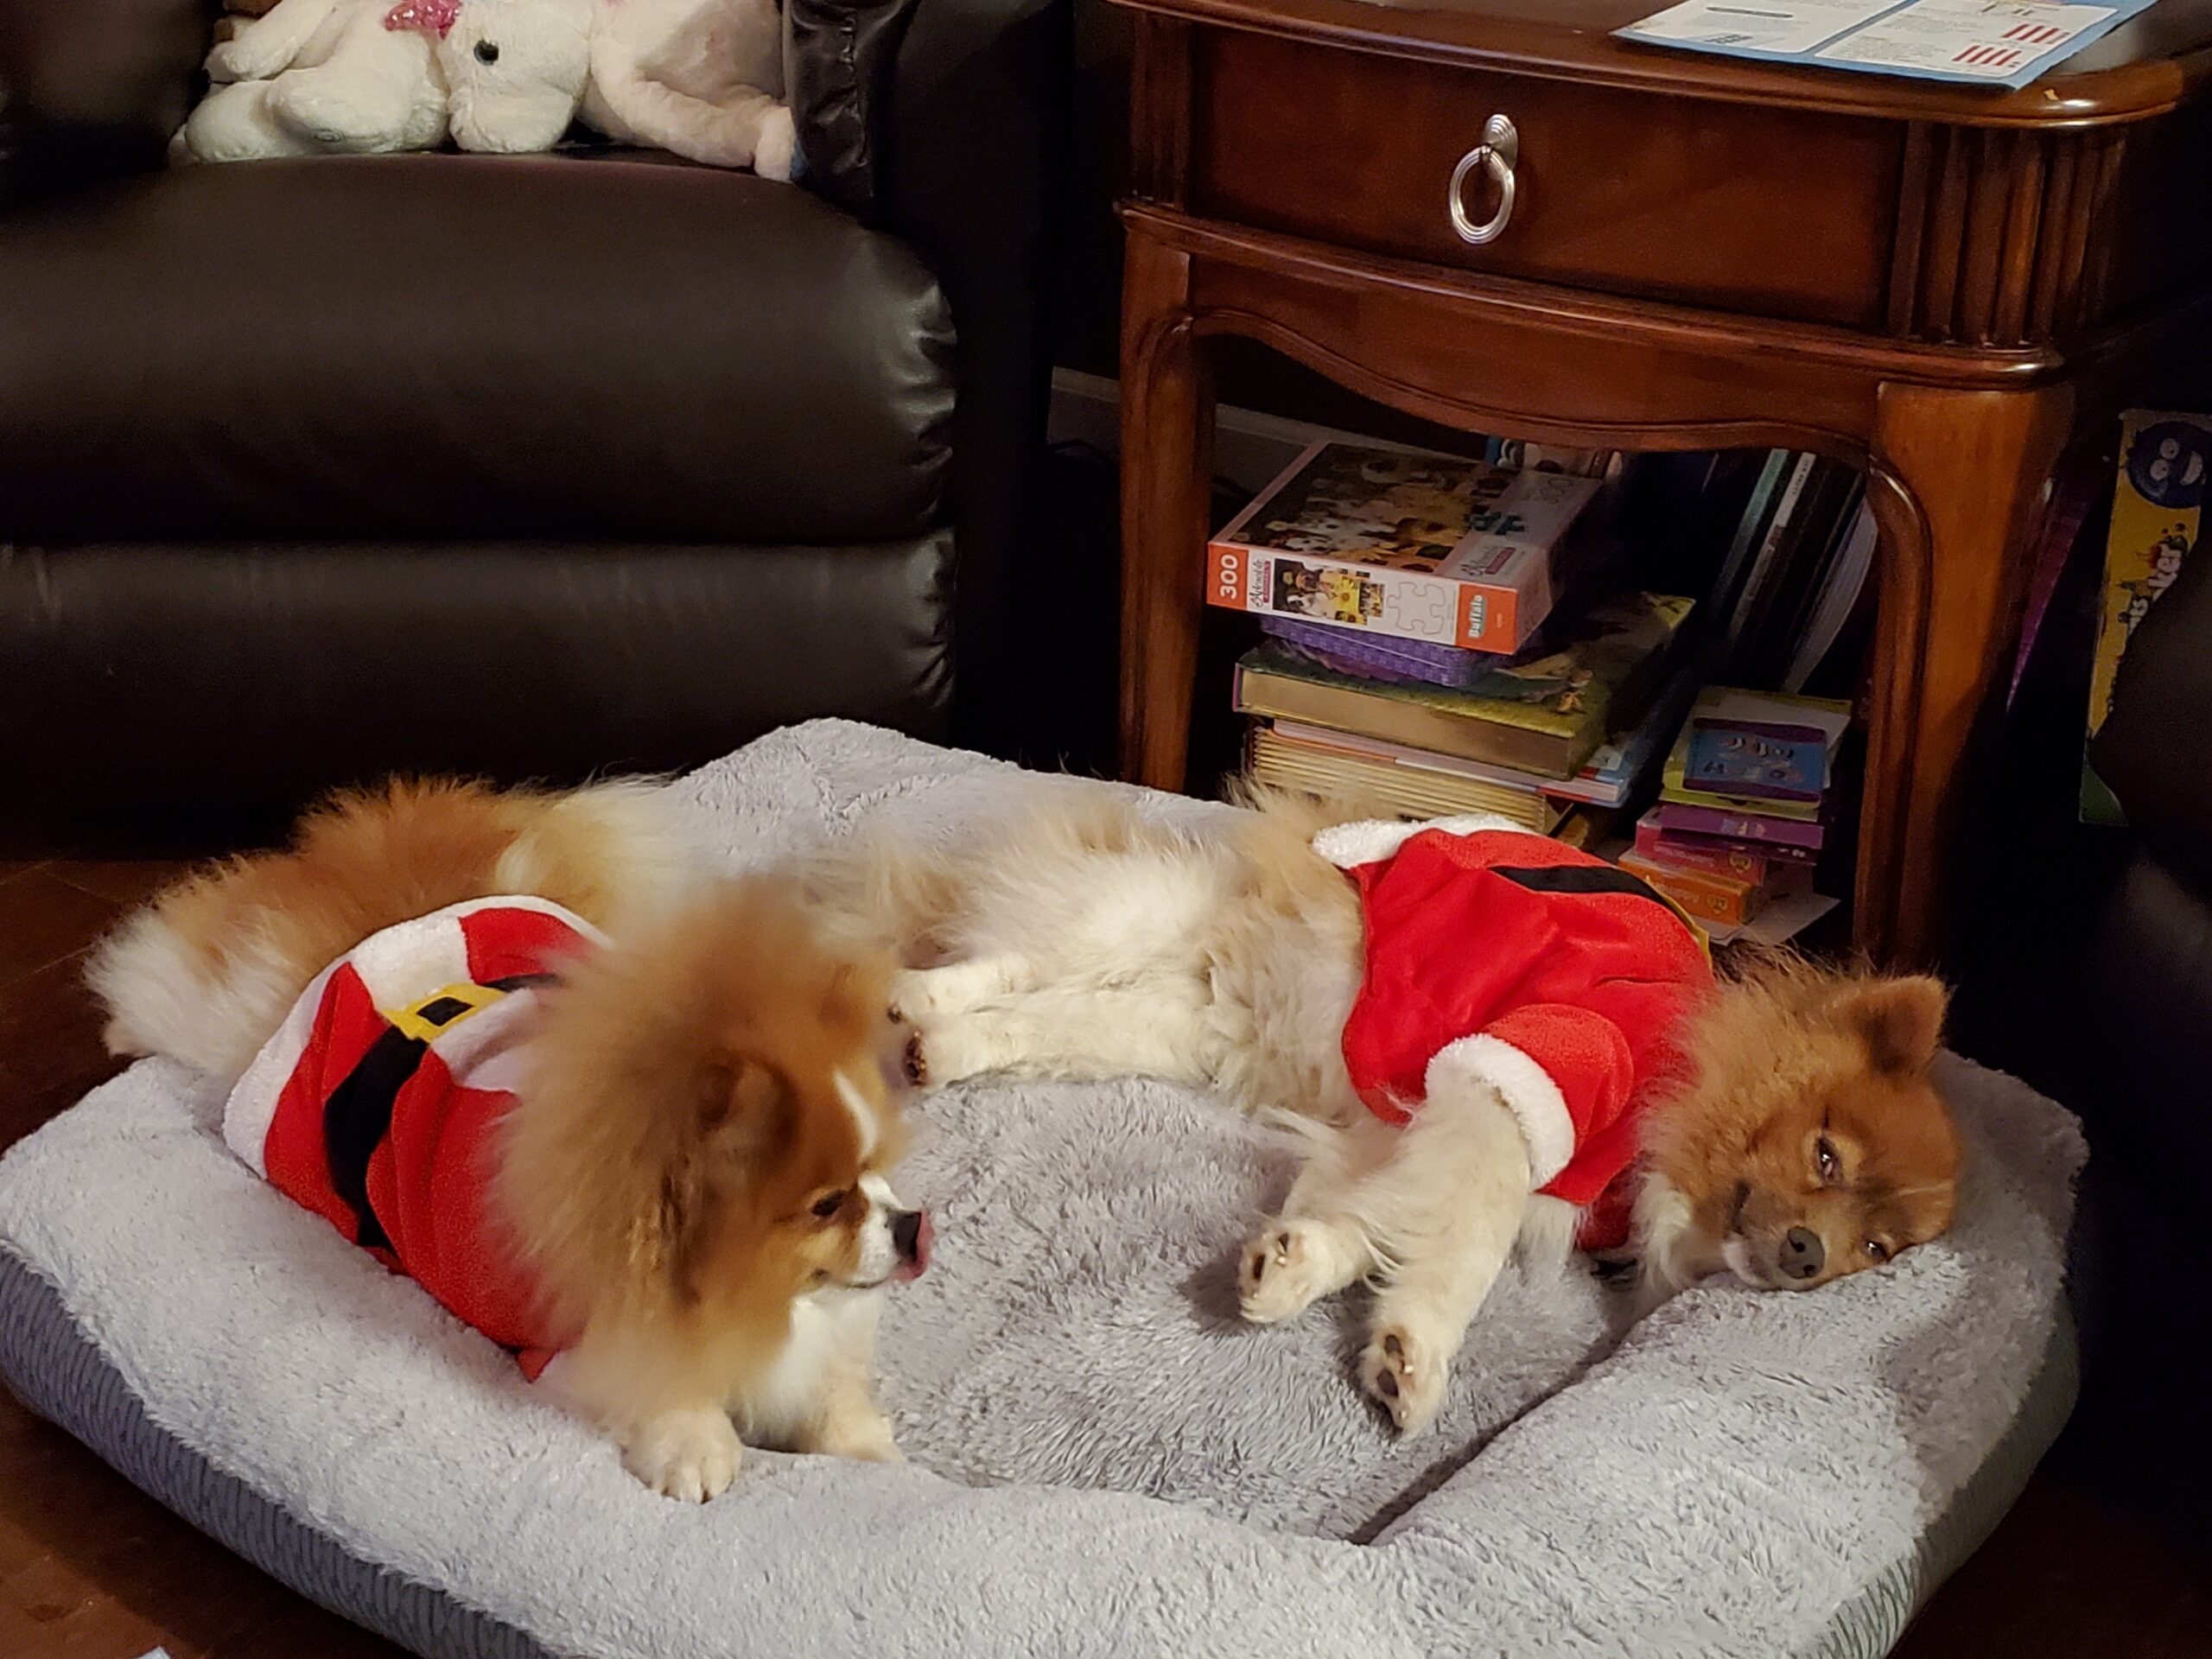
[1348, 845]
[251, 1107]
[402, 964]
[399, 966]
[1525, 1087]
[412, 960]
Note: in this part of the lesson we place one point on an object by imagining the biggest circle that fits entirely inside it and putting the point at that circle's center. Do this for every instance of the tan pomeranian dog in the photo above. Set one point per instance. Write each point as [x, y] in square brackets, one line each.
[1475, 1035]
[629, 1122]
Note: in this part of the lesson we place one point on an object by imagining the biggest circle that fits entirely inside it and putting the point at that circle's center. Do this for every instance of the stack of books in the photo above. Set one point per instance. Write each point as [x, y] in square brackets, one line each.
[1448, 634]
[1573, 720]
[1419, 654]
[1744, 811]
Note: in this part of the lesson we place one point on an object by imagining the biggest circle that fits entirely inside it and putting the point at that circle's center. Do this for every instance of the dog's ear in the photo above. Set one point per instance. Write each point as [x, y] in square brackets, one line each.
[855, 994]
[1900, 1021]
[740, 1104]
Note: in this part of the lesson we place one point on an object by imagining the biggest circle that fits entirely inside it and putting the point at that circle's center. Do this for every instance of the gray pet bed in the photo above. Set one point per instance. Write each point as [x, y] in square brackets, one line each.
[1104, 1460]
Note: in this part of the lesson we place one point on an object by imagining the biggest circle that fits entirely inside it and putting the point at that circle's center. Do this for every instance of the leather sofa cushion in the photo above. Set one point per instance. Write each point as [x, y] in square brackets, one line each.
[121, 62]
[571, 347]
[231, 678]
[2148, 984]
[838, 56]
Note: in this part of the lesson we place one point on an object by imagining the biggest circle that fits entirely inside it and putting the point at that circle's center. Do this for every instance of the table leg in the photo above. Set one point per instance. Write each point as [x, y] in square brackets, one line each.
[1956, 478]
[1166, 490]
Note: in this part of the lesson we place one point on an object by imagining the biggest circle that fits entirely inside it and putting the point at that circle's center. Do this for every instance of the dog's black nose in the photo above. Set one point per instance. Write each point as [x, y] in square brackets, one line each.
[910, 1233]
[1803, 1255]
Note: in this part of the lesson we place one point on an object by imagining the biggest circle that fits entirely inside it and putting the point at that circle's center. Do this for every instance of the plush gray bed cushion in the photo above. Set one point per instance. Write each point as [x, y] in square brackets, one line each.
[1104, 1461]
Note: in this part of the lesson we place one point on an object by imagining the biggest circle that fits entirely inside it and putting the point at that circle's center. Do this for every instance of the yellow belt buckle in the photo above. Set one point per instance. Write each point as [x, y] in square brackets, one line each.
[442, 1010]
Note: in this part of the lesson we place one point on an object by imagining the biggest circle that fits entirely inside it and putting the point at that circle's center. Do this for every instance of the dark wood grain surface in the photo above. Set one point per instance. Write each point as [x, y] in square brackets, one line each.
[1622, 191]
[1947, 288]
[2143, 67]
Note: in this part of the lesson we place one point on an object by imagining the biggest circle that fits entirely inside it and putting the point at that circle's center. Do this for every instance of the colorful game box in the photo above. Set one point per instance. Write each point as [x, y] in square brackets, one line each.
[2156, 502]
[1421, 547]
[1761, 753]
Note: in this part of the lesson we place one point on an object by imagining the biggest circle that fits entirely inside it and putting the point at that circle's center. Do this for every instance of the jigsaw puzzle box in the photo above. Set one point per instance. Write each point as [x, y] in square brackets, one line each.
[1396, 542]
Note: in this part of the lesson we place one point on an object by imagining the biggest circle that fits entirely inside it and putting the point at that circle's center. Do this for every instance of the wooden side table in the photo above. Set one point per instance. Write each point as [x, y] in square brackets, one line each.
[1943, 285]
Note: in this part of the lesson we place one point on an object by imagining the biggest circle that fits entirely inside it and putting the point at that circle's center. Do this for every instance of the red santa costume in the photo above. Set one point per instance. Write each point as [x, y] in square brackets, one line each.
[376, 1103]
[1500, 959]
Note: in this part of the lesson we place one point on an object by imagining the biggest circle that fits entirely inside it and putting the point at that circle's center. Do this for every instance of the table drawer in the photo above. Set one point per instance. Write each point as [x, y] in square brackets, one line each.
[1632, 193]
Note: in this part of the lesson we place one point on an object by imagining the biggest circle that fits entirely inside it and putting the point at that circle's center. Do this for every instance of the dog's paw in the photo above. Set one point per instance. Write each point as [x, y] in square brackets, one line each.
[1284, 1271]
[1400, 1373]
[947, 1051]
[914, 1058]
[773, 150]
[922, 993]
[690, 1456]
[862, 1434]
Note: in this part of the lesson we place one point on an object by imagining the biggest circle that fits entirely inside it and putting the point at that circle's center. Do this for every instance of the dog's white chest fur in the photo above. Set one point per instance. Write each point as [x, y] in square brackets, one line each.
[827, 1326]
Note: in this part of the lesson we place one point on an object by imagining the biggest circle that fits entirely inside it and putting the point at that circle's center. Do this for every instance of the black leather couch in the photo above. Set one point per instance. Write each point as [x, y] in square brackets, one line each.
[2150, 968]
[2144, 1059]
[530, 466]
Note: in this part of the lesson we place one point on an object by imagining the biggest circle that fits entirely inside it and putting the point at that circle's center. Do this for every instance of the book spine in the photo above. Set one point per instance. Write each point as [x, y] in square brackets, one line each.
[1737, 826]
[1655, 846]
[1735, 567]
[1686, 847]
[1709, 898]
[1759, 586]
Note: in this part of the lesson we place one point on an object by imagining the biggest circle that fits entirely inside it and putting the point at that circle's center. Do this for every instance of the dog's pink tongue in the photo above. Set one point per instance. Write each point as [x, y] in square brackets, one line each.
[925, 1236]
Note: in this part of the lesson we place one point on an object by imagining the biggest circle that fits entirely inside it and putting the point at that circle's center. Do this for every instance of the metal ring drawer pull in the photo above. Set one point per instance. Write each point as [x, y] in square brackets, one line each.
[1499, 149]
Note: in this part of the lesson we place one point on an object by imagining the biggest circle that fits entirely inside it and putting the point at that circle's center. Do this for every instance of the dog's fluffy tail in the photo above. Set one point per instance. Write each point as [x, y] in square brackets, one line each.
[205, 973]
[876, 890]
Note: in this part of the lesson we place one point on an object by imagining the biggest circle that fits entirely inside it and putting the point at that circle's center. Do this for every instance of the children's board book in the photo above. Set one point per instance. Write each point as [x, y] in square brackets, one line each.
[1687, 819]
[1605, 780]
[1423, 547]
[1981, 42]
[1756, 752]
[2156, 501]
[1681, 849]
[1711, 897]
[1319, 765]
[1543, 712]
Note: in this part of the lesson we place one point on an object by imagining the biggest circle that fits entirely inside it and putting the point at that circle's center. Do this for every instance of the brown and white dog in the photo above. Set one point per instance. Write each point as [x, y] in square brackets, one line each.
[1794, 1138]
[689, 1145]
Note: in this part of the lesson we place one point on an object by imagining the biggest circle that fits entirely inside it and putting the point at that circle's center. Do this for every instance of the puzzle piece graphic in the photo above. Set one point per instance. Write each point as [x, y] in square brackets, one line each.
[1420, 609]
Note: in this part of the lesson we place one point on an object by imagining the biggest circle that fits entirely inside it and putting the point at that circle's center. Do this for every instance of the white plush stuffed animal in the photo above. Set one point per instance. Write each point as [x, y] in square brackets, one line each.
[515, 71]
[357, 77]
[702, 78]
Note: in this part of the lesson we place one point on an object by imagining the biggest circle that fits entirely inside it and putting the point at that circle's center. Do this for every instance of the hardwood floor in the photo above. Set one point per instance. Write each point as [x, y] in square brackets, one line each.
[90, 1568]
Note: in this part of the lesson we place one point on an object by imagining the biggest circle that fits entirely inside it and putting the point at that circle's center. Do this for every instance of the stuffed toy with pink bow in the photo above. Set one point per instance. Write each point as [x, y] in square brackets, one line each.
[363, 77]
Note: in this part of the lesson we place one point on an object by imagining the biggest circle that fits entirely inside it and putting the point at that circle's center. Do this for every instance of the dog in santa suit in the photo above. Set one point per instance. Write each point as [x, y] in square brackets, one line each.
[1470, 1032]
[378, 1104]
[1504, 962]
